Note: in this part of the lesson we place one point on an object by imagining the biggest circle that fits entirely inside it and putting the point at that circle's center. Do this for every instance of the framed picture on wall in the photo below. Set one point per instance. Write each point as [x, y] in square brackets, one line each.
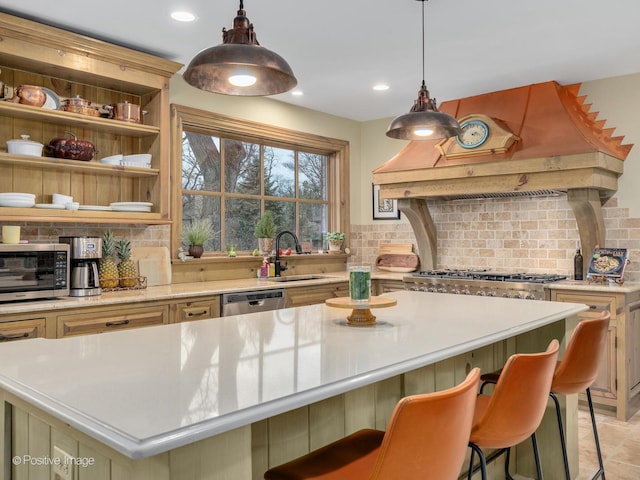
[384, 208]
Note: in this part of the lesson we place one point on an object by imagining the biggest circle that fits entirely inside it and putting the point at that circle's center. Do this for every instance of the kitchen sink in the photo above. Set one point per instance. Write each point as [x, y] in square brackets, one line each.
[297, 278]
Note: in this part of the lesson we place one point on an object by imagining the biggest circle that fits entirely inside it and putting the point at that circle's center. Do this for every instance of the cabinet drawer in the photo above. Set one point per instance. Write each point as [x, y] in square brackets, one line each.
[22, 329]
[111, 320]
[597, 303]
[299, 296]
[199, 310]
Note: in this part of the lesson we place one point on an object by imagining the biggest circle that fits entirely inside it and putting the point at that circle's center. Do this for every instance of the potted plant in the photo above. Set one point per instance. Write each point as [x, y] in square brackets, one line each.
[196, 234]
[335, 240]
[265, 231]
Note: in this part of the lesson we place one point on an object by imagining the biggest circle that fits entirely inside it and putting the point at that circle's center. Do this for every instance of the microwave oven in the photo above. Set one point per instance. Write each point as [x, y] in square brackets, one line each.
[32, 270]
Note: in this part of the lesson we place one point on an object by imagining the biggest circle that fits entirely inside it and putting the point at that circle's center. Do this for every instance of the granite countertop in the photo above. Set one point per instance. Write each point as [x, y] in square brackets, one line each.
[179, 290]
[147, 391]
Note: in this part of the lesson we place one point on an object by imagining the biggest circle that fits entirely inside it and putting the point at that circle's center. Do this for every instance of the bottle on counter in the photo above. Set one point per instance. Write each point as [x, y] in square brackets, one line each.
[578, 266]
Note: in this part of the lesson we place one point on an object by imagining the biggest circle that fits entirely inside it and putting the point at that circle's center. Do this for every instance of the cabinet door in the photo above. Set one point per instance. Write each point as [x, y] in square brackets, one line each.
[299, 296]
[22, 329]
[633, 347]
[605, 385]
[113, 319]
[198, 310]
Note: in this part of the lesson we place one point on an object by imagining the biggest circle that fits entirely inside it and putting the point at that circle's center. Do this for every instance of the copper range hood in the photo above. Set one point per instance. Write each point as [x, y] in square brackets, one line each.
[543, 140]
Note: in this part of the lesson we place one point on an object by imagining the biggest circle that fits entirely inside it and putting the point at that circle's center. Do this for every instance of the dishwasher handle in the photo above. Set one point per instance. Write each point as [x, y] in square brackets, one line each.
[256, 303]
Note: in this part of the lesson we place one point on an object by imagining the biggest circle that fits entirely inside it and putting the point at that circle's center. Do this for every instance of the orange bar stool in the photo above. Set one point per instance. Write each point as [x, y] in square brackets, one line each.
[426, 437]
[576, 372]
[515, 409]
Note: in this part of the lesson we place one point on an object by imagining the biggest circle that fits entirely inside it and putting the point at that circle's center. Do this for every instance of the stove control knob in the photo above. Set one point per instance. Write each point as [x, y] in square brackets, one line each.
[466, 290]
[414, 288]
[492, 293]
[432, 289]
[482, 293]
[455, 291]
[442, 289]
[517, 295]
[506, 295]
[531, 296]
[424, 288]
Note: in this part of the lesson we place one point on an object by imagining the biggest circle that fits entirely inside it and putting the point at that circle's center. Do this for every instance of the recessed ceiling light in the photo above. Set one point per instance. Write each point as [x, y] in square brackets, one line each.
[297, 93]
[381, 87]
[183, 16]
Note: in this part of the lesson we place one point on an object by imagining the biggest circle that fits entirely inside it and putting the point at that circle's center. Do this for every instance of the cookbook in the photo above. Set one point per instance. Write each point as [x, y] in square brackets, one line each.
[608, 263]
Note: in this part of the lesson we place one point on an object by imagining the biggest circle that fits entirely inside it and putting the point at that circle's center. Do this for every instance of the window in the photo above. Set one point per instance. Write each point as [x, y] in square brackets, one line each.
[234, 171]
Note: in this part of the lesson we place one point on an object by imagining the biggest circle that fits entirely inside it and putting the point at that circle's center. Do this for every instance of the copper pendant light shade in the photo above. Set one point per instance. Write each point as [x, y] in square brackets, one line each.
[240, 66]
[424, 121]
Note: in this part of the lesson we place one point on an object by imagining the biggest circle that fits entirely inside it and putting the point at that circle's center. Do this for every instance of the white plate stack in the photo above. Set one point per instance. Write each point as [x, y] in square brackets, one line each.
[140, 160]
[131, 206]
[17, 200]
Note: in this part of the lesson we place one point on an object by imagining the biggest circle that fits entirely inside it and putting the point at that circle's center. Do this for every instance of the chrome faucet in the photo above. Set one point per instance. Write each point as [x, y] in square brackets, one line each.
[277, 267]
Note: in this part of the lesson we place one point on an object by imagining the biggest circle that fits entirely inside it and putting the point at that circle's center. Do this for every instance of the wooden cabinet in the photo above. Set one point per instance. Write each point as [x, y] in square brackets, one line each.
[22, 329]
[386, 286]
[617, 387]
[299, 296]
[197, 309]
[100, 320]
[68, 64]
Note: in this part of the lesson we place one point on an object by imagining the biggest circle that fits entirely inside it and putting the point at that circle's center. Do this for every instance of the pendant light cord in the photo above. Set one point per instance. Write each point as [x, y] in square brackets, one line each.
[241, 4]
[423, 77]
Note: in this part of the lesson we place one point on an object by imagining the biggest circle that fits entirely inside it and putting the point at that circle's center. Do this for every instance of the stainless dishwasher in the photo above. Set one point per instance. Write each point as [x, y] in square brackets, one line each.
[249, 302]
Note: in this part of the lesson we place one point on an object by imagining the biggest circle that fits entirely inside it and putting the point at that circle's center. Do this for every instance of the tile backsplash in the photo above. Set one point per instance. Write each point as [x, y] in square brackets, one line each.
[533, 235]
[139, 235]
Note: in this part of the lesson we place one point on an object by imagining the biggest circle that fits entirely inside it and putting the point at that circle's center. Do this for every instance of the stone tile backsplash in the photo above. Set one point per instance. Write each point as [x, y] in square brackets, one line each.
[533, 235]
[139, 235]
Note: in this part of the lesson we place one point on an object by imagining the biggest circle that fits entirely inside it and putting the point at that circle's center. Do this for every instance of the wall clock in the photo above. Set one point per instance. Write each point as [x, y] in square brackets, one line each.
[473, 133]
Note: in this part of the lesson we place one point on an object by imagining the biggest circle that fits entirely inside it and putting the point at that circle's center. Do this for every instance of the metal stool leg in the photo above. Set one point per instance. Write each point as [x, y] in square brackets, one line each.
[563, 442]
[600, 472]
[536, 455]
[483, 461]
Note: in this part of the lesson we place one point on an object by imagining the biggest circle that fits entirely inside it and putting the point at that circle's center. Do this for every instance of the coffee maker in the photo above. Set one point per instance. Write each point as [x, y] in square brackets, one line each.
[84, 255]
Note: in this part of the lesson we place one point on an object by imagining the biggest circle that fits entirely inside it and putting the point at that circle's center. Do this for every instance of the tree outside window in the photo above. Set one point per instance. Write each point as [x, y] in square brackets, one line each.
[232, 182]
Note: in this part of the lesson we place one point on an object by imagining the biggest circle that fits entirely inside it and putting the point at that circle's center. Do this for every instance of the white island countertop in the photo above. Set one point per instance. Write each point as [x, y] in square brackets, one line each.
[151, 390]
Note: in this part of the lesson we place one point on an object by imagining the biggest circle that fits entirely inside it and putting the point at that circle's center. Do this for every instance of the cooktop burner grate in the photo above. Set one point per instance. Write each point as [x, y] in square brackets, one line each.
[491, 276]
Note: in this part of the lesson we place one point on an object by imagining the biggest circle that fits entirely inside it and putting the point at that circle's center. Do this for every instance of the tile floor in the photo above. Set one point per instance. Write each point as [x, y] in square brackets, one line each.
[620, 444]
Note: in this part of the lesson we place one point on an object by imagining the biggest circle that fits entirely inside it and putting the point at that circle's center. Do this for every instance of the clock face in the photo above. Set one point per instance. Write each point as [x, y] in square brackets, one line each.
[472, 134]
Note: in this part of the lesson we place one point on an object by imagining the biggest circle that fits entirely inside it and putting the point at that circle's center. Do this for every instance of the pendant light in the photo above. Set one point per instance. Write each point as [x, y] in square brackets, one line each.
[424, 121]
[240, 66]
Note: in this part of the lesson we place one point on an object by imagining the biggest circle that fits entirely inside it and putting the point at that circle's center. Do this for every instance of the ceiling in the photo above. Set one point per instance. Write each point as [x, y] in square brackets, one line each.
[339, 49]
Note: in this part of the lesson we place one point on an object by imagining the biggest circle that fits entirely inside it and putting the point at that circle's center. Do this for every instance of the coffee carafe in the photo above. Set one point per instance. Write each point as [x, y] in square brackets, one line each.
[85, 254]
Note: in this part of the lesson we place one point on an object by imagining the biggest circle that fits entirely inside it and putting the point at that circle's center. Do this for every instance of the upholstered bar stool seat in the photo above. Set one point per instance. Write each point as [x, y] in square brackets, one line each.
[426, 437]
[515, 409]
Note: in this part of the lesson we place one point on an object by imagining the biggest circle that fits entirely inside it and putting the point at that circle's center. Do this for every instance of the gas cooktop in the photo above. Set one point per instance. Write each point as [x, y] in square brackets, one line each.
[488, 275]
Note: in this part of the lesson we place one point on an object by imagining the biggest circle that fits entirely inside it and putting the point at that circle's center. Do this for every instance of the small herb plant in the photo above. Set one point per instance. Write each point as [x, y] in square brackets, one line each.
[335, 236]
[266, 227]
[198, 232]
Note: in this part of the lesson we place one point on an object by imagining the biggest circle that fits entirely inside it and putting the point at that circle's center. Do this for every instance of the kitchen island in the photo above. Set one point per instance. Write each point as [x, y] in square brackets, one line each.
[226, 398]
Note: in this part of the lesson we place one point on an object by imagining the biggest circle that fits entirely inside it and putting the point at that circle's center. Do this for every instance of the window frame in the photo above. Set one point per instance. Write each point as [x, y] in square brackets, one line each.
[214, 124]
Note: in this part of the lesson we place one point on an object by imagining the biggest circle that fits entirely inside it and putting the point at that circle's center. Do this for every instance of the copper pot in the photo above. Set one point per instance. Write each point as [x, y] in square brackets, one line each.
[70, 148]
[29, 95]
[124, 111]
[79, 105]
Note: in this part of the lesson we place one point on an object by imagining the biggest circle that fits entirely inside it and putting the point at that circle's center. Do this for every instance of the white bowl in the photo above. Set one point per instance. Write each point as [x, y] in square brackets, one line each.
[17, 196]
[112, 160]
[142, 158]
[24, 146]
[60, 199]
